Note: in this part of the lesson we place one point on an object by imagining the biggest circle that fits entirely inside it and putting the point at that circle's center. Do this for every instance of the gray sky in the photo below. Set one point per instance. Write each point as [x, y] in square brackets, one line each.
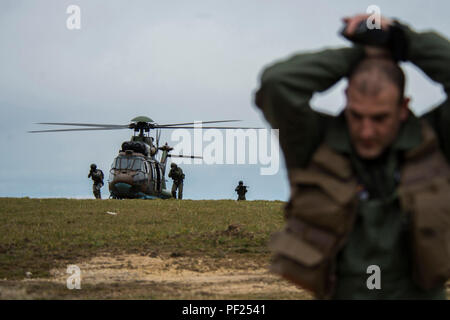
[173, 61]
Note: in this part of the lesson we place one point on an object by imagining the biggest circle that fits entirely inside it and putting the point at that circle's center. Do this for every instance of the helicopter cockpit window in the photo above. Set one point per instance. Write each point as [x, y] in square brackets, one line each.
[122, 163]
[137, 165]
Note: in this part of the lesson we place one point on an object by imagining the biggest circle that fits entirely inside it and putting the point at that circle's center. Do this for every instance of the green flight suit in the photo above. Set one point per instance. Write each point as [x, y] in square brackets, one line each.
[241, 191]
[380, 234]
[97, 177]
[178, 176]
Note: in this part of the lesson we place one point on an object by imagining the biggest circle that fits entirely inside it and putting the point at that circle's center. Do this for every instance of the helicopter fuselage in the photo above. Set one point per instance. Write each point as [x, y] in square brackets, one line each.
[136, 176]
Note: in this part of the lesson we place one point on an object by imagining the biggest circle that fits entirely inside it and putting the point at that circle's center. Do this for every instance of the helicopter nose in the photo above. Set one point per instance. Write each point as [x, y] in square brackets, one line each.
[122, 188]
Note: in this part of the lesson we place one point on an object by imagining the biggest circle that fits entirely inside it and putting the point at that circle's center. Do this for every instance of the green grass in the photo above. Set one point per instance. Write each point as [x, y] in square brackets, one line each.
[41, 234]
[38, 235]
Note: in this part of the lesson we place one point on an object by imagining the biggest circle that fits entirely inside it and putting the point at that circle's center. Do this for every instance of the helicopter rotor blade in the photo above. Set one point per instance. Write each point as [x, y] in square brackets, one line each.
[78, 129]
[84, 124]
[187, 123]
[181, 156]
[209, 128]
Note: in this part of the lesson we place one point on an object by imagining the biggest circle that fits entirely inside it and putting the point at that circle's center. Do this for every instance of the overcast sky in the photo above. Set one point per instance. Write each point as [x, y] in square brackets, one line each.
[173, 61]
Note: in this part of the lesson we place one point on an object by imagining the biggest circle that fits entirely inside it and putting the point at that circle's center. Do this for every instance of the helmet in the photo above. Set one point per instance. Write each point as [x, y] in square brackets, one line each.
[93, 166]
[241, 182]
[173, 165]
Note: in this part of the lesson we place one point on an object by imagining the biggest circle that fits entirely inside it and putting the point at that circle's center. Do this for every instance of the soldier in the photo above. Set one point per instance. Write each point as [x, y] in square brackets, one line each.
[241, 190]
[97, 177]
[178, 176]
[369, 187]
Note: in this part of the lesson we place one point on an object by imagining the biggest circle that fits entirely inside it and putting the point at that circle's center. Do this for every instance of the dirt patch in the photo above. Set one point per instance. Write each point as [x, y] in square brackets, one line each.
[176, 277]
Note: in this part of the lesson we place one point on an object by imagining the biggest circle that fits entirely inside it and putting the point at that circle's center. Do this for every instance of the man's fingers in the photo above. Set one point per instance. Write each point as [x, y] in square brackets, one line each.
[353, 22]
[385, 23]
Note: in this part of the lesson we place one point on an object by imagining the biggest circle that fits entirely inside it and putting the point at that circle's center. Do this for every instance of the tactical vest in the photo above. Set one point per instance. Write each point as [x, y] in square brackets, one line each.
[97, 176]
[177, 175]
[323, 208]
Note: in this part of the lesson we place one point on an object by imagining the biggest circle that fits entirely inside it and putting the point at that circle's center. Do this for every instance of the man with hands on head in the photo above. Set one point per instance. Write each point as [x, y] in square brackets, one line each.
[370, 186]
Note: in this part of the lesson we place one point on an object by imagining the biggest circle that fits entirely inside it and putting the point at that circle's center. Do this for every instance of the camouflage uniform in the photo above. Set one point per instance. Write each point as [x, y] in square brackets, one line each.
[97, 177]
[380, 234]
[178, 176]
[241, 190]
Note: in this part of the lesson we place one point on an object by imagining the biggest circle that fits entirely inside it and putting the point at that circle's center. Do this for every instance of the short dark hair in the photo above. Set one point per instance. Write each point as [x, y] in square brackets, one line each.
[376, 68]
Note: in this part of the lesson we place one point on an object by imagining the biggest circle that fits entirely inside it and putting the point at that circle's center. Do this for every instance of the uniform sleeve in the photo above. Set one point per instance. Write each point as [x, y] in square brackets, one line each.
[430, 51]
[286, 89]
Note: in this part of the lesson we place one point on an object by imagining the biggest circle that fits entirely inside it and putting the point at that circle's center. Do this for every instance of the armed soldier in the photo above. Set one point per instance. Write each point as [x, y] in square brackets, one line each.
[369, 188]
[97, 177]
[241, 190]
[177, 176]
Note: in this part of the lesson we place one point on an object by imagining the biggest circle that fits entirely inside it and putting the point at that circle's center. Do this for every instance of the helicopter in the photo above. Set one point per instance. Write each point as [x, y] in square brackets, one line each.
[136, 172]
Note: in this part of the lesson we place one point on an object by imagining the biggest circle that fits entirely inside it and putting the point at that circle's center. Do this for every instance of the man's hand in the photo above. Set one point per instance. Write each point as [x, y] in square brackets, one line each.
[352, 24]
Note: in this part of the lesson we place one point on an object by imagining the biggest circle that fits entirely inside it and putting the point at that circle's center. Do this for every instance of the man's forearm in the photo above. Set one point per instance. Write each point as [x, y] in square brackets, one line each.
[285, 92]
[431, 53]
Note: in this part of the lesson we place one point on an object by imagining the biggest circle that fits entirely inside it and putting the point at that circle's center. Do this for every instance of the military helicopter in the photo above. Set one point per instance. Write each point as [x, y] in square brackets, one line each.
[136, 173]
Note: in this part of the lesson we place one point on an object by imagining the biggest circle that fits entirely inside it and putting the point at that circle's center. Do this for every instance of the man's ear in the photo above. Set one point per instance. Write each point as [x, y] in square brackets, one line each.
[404, 108]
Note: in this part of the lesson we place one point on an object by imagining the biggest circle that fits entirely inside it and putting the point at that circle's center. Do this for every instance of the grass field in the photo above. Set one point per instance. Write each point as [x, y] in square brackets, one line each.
[41, 235]
[38, 233]
[158, 249]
